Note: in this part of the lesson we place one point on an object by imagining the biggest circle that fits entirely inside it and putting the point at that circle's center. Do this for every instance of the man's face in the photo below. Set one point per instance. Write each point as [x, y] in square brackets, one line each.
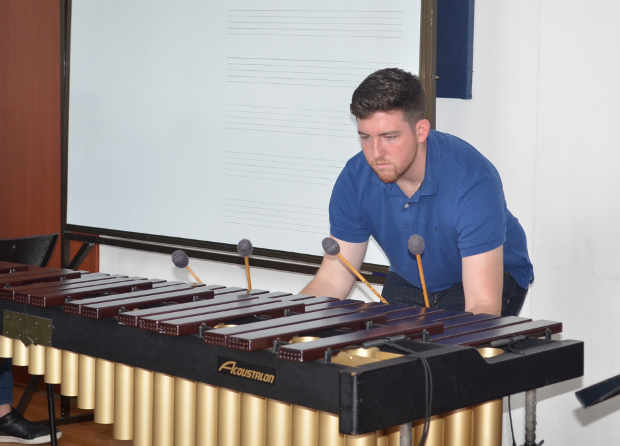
[389, 143]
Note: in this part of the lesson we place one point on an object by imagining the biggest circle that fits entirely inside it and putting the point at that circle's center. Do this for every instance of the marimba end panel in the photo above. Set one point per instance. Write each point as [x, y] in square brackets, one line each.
[388, 384]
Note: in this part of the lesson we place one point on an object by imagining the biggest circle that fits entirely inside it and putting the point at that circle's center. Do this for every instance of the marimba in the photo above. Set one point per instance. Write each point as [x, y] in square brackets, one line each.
[177, 363]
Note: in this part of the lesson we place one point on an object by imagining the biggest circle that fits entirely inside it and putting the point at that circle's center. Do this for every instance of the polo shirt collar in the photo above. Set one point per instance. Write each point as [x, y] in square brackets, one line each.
[429, 184]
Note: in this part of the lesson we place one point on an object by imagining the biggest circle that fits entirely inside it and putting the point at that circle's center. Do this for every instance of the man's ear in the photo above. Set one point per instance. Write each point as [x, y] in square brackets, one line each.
[422, 128]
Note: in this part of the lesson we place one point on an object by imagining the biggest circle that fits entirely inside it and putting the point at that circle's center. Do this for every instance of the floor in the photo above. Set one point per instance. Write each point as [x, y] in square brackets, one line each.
[85, 433]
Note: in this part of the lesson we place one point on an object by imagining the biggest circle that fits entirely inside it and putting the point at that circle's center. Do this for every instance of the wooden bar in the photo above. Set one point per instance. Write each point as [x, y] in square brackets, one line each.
[85, 277]
[533, 328]
[18, 279]
[23, 295]
[58, 298]
[157, 314]
[319, 300]
[421, 312]
[108, 309]
[478, 326]
[10, 267]
[450, 318]
[27, 272]
[77, 283]
[131, 318]
[153, 322]
[320, 306]
[158, 288]
[188, 309]
[219, 336]
[411, 311]
[300, 297]
[309, 351]
[253, 341]
[185, 326]
[230, 289]
[466, 320]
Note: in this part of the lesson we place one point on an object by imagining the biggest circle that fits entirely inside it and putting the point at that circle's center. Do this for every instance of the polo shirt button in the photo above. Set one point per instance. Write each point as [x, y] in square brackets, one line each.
[406, 205]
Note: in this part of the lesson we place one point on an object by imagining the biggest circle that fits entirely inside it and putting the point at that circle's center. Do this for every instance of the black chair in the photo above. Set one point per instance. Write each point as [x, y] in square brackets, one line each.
[35, 250]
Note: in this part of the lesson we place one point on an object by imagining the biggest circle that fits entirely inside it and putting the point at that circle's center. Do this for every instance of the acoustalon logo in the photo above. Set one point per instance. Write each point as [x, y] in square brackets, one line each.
[246, 371]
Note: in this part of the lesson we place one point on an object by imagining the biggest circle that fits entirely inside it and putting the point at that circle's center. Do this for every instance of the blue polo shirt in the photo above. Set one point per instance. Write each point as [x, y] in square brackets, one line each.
[459, 209]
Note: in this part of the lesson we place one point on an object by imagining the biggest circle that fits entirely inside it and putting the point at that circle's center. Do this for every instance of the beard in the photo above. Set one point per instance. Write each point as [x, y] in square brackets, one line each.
[387, 174]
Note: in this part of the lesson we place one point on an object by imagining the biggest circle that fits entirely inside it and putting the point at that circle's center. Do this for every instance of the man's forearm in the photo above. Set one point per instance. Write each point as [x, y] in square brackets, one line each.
[321, 287]
[489, 306]
[483, 279]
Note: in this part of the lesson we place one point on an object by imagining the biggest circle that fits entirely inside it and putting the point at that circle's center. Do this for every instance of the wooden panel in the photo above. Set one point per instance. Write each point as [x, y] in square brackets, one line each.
[30, 118]
[91, 262]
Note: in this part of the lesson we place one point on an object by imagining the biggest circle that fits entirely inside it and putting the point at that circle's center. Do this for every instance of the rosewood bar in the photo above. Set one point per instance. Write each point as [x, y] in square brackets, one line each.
[11, 290]
[26, 273]
[108, 309]
[532, 328]
[153, 322]
[451, 318]
[309, 351]
[75, 307]
[318, 300]
[10, 267]
[219, 336]
[163, 303]
[185, 326]
[26, 278]
[312, 305]
[483, 325]
[22, 294]
[131, 318]
[85, 277]
[426, 313]
[466, 320]
[54, 298]
[253, 341]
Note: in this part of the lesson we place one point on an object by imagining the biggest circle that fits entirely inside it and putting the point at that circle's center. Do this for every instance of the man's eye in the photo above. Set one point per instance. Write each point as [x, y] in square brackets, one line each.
[390, 136]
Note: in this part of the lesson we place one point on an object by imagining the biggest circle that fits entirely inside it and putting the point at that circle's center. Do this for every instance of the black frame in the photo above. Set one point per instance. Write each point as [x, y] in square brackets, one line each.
[210, 250]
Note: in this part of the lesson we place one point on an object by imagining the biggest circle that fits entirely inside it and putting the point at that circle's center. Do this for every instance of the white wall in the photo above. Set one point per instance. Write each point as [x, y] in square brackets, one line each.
[545, 76]
[544, 97]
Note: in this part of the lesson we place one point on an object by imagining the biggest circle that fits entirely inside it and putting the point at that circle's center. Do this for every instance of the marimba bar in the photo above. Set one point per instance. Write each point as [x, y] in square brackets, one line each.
[171, 363]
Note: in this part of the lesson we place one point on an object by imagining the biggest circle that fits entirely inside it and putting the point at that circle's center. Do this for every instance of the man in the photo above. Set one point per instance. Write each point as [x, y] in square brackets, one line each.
[14, 428]
[410, 180]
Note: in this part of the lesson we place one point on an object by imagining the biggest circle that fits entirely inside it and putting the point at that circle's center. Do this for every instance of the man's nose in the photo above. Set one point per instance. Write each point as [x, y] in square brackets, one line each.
[378, 150]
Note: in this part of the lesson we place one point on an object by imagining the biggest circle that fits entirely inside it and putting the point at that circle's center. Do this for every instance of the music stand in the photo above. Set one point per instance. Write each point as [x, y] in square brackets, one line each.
[599, 392]
[35, 250]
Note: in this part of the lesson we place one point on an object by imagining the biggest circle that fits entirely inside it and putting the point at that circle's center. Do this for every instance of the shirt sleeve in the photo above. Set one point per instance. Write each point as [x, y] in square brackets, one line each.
[346, 218]
[481, 221]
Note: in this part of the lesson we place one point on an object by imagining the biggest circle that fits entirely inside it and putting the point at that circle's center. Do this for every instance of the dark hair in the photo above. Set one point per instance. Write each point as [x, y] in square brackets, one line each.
[389, 89]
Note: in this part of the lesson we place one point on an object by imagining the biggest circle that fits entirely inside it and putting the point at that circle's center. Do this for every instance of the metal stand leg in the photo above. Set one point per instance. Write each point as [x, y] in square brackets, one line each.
[65, 413]
[65, 407]
[52, 413]
[530, 419]
[31, 388]
[405, 434]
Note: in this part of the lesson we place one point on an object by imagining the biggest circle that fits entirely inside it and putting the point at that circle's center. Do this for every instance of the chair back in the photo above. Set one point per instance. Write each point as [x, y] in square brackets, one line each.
[35, 250]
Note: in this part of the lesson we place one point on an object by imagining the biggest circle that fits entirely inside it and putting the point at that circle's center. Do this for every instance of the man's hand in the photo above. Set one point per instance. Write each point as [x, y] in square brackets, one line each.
[333, 278]
[483, 277]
